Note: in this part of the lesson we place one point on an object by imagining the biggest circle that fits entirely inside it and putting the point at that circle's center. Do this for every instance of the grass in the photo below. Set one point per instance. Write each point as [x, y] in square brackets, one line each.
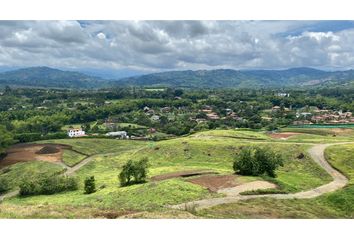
[90, 146]
[139, 197]
[72, 158]
[238, 134]
[320, 135]
[15, 174]
[339, 204]
[341, 158]
[210, 150]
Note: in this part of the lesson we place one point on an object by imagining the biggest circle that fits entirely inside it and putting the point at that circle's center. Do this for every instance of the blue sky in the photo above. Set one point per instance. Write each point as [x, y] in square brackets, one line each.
[129, 47]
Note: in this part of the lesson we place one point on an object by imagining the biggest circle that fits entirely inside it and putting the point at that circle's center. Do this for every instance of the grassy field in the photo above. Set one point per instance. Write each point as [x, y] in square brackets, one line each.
[21, 171]
[91, 146]
[320, 135]
[339, 204]
[210, 150]
[72, 158]
[342, 158]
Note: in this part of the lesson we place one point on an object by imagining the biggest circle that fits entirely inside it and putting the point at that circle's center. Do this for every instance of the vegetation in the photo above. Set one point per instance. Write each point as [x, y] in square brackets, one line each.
[338, 204]
[6, 139]
[257, 161]
[72, 158]
[220, 78]
[90, 186]
[15, 174]
[4, 185]
[47, 185]
[133, 172]
[173, 128]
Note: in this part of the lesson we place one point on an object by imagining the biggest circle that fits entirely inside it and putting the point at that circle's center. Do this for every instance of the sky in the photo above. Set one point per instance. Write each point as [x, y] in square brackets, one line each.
[130, 47]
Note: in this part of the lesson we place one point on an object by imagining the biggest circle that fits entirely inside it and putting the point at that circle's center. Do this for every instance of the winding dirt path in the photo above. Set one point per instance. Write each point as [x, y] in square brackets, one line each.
[317, 154]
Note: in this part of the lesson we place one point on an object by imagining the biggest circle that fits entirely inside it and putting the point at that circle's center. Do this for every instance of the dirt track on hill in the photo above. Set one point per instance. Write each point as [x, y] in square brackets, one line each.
[317, 154]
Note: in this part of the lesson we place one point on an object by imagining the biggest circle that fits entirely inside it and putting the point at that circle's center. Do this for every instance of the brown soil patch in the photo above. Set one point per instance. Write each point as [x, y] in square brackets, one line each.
[181, 174]
[32, 152]
[215, 183]
[283, 135]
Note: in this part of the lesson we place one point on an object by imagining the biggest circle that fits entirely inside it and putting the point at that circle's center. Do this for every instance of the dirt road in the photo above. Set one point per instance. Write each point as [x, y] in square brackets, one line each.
[317, 154]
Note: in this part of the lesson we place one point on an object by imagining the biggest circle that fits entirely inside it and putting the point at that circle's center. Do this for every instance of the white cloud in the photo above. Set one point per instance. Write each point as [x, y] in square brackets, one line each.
[101, 35]
[162, 45]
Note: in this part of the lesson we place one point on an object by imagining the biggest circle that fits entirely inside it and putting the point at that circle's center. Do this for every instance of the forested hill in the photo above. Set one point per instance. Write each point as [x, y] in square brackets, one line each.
[49, 77]
[220, 78]
[224, 78]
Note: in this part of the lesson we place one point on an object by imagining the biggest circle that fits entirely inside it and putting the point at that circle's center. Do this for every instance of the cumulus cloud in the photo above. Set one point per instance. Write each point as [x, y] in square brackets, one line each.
[167, 45]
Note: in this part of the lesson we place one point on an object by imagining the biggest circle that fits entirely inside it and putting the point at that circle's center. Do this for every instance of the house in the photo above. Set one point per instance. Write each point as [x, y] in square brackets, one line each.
[118, 134]
[165, 109]
[275, 108]
[150, 112]
[155, 118]
[152, 130]
[213, 116]
[76, 132]
[282, 94]
[200, 120]
[305, 114]
[207, 111]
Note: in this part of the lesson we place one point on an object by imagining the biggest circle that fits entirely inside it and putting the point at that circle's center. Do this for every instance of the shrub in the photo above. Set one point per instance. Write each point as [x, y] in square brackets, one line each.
[133, 172]
[90, 186]
[47, 185]
[4, 185]
[256, 161]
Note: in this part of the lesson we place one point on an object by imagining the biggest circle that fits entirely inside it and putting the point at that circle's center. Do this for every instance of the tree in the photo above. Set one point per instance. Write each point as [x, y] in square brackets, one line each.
[4, 185]
[90, 186]
[256, 161]
[47, 184]
[133, 172]
[6, 139]
[140, 170]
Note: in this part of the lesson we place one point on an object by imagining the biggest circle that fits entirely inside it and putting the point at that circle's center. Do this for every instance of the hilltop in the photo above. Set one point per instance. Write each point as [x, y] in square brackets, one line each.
[46, 77]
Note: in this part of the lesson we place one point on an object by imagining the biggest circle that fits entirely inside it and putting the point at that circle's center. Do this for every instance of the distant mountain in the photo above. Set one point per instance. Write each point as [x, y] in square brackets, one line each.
[49, 77]
[220, 78]
[227, 78]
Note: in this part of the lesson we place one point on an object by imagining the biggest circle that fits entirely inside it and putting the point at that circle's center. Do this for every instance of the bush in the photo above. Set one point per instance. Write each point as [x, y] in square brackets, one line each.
[4, 185]
[47, 185]
[90, 186]
[255, 161]
[133, 172]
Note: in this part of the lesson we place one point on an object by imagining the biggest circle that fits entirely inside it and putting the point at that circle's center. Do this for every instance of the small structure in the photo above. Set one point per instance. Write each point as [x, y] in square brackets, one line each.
[118, 134]
[152, 130]
[213, 116]
[165, 109]
[155, 118]
[76, 132]
[275, 108]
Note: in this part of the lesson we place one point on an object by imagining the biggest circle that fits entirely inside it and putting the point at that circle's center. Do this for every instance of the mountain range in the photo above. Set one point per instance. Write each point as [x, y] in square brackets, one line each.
[220, 78]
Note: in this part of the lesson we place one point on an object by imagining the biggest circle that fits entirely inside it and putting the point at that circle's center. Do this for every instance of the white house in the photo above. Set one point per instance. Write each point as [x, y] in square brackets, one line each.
[76, 132]
[119, 134]
[155, 118]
